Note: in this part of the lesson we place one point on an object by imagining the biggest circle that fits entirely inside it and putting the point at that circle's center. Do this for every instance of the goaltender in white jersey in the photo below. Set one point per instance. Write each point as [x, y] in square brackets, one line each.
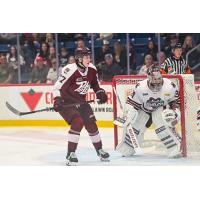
[154, 99]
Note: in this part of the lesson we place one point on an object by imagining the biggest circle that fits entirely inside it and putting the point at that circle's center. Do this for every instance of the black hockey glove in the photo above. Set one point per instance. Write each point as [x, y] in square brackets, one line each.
[101, 96]
[58, 104]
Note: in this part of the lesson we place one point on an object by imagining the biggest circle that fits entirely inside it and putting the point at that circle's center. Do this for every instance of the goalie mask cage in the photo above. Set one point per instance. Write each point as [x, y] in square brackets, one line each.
[187, 129]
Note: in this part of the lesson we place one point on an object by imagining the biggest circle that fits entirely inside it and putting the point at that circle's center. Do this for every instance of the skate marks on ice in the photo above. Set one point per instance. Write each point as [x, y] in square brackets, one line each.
[47, 147]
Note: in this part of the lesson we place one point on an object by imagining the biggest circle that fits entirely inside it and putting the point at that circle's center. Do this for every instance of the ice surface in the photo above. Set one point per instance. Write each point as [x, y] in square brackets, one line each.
[47, 146]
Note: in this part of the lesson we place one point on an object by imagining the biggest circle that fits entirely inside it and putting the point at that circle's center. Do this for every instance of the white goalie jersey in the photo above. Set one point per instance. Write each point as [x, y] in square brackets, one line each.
[145, 99]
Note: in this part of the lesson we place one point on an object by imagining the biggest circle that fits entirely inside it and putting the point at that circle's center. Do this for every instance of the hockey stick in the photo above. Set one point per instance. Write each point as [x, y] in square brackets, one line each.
[19, 113]
[119, 121]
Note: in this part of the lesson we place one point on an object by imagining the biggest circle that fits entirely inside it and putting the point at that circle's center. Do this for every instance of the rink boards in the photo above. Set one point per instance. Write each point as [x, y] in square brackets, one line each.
[32, 97]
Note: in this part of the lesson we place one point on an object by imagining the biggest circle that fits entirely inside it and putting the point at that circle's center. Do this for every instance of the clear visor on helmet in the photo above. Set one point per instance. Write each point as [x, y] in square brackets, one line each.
[155, 81]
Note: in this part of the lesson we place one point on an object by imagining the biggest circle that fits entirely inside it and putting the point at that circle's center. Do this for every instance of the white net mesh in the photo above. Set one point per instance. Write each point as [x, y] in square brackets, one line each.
[189, 104]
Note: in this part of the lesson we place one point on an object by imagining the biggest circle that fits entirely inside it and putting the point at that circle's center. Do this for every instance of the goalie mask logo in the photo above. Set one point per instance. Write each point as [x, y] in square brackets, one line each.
[155, 103]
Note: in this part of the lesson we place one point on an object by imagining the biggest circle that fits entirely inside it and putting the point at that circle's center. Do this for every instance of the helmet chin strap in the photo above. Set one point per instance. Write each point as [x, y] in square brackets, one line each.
[81, 65]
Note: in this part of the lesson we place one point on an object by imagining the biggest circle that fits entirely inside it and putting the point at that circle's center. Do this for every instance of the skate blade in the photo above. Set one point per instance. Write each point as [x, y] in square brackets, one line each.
[68, 163]
[104, 160]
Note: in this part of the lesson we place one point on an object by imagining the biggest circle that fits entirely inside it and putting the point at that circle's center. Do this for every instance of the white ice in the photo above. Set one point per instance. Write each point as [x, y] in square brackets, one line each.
[48, 146]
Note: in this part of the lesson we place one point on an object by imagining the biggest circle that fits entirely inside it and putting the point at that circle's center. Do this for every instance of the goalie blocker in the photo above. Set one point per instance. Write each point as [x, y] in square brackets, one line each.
[159, 94]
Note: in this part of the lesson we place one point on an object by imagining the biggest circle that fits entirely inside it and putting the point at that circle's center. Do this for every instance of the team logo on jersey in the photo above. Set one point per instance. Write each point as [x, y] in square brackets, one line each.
[84, 86]
[144, 94]
[155, 103]
[66, 70]
[31, 98]
[167, 94]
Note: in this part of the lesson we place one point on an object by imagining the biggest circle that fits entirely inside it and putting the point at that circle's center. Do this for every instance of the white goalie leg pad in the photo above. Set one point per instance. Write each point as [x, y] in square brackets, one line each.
[126, 147]
[166, 135]
[140, 125]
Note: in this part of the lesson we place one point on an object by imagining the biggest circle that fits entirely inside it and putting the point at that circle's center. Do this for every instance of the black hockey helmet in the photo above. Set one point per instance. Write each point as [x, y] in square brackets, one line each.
[177, 46]
[80, 52]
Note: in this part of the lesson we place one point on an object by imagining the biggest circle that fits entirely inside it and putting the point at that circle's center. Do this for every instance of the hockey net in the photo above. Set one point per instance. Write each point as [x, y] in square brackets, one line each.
[187, 129]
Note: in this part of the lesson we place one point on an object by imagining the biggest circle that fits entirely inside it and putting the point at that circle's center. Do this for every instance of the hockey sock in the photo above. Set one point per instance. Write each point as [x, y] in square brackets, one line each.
[74, 134]
[94, 135]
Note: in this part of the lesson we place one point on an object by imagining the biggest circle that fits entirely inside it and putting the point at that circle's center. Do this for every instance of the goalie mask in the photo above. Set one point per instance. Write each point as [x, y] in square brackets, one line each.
[82, 57]
[155, 80]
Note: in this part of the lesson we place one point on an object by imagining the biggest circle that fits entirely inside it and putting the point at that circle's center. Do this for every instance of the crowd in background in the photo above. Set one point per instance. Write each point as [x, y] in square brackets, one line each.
[38, 59]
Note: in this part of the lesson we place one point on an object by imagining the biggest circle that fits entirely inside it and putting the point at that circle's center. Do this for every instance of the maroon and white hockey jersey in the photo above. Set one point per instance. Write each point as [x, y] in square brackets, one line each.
[73, 85]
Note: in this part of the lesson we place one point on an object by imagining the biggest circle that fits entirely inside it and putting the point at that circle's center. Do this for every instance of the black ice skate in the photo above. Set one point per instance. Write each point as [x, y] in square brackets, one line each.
[71, 159]
[104, 156]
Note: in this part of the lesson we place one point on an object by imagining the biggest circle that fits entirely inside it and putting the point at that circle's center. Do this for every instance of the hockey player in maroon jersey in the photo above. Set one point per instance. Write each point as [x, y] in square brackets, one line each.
[71, 87]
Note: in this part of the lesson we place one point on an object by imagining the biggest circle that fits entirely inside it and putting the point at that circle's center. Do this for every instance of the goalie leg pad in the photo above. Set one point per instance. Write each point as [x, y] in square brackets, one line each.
[166, 135]
[126, 147]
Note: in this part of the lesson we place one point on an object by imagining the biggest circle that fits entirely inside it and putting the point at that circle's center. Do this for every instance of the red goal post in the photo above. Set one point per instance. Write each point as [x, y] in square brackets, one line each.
[185, 83]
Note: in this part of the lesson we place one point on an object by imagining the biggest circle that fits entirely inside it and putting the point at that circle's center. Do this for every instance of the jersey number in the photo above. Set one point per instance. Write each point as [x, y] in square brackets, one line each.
[62, 78]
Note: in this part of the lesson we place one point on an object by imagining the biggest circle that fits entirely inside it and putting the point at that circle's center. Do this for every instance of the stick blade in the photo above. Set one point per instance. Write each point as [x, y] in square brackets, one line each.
[12, 109]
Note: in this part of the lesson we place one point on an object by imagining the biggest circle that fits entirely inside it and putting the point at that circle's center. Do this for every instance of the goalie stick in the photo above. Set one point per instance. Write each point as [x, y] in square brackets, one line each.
[19, 113]
[119, 121]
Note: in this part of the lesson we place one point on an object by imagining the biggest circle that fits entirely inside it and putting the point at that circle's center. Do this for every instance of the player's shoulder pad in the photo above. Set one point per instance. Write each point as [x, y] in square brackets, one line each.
[69, 69]
[92, 66]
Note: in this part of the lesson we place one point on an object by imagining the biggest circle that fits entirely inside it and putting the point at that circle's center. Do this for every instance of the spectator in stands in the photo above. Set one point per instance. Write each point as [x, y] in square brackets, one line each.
[109, 69]
[148, 62]
[100, 55]
[31, 48]
[188, 44]
[120, 56]
[132, 57]
[36, 40]
[80, 43]
[12, 57]
[172, 42]
[71, 60]
[52, 74]
[6, 71]
[12, 60]
[152, 49]
[64, 54]
[39, 72]
[162, 57]
[50, 39]
[52, 55]
[44, 53]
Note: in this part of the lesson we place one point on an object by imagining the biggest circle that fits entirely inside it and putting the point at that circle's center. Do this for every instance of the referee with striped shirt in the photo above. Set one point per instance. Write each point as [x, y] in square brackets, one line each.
[175, 64]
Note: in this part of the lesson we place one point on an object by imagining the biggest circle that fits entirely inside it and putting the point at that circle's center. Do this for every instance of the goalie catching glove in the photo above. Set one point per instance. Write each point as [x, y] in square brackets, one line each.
[101, 96]
[171, 117]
